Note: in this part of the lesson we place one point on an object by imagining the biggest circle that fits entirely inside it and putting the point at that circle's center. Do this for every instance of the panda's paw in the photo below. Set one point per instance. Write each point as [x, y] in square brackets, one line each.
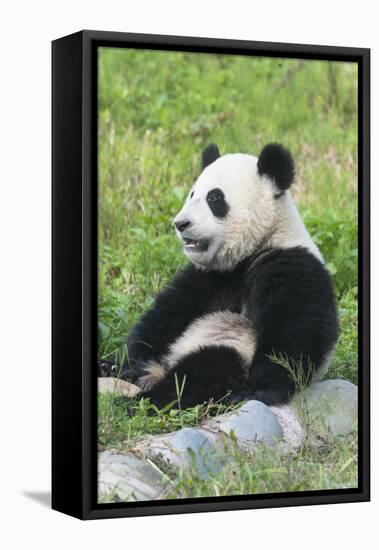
[107, 368]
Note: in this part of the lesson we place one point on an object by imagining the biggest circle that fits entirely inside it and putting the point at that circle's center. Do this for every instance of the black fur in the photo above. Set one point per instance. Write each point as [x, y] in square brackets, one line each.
[191, 293]
[288, 296]
[276, 162]
[217, 203]
[210, 154]
[293, 307]
[214, 372]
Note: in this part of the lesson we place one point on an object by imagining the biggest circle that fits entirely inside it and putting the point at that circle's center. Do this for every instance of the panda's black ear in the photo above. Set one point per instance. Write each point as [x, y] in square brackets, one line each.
[276, 162]
[210, 154]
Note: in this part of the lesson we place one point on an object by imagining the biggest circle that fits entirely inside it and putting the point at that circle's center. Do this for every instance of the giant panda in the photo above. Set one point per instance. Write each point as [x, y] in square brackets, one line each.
[255, 287]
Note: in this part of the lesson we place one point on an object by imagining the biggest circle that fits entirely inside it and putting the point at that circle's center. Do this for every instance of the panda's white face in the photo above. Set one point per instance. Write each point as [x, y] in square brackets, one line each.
[229, 212]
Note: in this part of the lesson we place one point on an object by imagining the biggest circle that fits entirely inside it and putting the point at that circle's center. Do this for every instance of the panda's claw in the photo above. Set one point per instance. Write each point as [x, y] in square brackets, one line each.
[106, 368]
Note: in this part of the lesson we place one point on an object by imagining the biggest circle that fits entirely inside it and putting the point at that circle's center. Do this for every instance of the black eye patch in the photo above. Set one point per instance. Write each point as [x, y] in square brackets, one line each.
[217, 203]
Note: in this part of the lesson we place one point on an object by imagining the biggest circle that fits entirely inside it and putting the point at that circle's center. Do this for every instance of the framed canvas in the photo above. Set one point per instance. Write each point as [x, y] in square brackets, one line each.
[210, 274]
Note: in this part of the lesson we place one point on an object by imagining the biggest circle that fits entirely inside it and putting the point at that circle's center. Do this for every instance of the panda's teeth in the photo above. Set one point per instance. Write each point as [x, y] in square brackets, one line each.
[199, 246]
[191, 244]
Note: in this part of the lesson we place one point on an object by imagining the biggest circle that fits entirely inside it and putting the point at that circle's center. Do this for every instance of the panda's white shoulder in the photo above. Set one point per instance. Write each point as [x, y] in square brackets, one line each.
[290, 229]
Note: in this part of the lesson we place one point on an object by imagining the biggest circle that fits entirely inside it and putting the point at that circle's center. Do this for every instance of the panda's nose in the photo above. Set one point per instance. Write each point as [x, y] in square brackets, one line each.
[181, 225]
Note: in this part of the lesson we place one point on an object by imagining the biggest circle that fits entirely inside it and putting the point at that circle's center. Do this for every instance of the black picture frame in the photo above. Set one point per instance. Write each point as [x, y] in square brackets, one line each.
[74, 271]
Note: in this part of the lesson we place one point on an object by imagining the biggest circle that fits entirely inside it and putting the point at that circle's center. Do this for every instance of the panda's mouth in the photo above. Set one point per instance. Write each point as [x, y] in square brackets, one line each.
[196, 245]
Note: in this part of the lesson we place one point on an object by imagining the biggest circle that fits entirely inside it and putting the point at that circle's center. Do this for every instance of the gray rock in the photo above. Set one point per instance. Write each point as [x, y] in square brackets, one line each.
[117, 386]
[293, 432]
[125, 477]
[252, 423]
[188, 446]
[328, 407]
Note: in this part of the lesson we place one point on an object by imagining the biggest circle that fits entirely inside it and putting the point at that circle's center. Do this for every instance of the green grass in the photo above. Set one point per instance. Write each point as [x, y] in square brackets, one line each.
[332, 465]
[156, 113]
[117, 429]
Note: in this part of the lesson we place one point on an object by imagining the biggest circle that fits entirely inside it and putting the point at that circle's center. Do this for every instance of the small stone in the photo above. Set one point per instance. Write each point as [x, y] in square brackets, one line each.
[188, 446]
[328, 407]
[126, 477]
[117, 386]
[252, 423]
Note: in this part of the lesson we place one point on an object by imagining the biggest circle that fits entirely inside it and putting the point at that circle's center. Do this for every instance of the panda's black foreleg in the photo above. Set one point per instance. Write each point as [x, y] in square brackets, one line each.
[213, 372]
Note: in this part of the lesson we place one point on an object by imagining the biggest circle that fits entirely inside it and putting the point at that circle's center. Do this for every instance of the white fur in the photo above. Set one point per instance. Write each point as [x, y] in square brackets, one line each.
[290, 230]
[222, 328]
[154, 373]
[255, 218]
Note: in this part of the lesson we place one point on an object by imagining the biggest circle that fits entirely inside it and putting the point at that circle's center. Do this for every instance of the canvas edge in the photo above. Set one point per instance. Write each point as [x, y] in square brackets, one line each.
[83, 501]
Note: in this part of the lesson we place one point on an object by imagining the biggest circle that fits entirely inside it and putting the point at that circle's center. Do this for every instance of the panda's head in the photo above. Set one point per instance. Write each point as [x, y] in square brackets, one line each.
[232, 209]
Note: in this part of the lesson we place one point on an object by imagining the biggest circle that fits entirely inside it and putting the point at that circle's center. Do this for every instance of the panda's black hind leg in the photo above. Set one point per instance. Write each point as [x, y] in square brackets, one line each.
[213, 372]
